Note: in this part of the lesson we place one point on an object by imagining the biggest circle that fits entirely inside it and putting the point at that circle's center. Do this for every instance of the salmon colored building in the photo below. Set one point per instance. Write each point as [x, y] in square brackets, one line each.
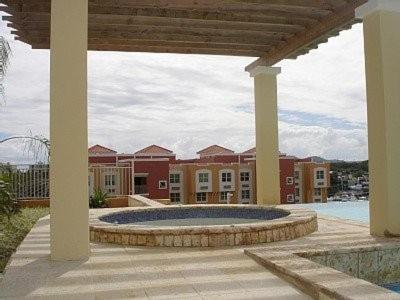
[217, 176]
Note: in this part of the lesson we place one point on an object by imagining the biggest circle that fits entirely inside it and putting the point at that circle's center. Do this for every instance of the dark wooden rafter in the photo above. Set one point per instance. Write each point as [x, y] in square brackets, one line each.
[259, 28]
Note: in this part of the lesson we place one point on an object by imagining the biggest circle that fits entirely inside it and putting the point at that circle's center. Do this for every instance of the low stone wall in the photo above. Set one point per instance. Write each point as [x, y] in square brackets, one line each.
[379, 265]
[112, 202]
[345, 273]
[140, 201]
[297, 224]
[163, 201]
[33, 203]
[119, 201]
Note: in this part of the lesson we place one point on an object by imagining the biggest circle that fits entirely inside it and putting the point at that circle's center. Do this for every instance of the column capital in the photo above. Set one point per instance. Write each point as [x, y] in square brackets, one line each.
[257, 70]
[377, 5]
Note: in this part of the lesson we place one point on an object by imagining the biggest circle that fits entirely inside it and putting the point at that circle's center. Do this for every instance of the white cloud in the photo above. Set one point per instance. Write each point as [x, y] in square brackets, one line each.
[187, 102]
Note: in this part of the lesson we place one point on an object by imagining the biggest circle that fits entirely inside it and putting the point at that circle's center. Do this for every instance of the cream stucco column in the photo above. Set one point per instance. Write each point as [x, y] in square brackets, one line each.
[267, 143]
[382, 56]
[68, 130]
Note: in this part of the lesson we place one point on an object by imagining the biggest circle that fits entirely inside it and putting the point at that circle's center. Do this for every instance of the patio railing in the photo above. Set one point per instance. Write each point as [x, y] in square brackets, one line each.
[30, 181]
[33, 181]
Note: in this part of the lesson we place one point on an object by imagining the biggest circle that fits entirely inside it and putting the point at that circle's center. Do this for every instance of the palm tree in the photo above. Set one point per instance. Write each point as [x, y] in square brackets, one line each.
[5, 53]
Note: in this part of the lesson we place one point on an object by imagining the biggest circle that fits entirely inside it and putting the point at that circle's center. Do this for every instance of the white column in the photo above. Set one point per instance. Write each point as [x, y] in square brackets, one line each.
[69, 214]
[267, 142]
[382, 59]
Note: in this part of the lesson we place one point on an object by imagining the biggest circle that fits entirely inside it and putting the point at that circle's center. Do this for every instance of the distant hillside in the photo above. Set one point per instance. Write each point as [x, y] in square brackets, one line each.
[357, 168]
[320, 160]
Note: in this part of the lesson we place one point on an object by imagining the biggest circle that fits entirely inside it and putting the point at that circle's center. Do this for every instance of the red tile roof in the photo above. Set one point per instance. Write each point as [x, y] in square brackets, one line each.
[253, 151]
[154, 149]
[98, 149]
[215, 150]
[250, 151]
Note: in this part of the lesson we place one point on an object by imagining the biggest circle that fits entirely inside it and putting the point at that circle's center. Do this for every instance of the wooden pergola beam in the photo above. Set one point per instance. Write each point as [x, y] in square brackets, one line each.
[272, 17]
[337, 20]
[314, 6]
[270, 29]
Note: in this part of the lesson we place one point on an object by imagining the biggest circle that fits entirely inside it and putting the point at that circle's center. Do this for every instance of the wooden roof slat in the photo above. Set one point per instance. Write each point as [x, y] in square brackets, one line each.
[133, 42]
[39, 18]
[161, 36]
[149, 30]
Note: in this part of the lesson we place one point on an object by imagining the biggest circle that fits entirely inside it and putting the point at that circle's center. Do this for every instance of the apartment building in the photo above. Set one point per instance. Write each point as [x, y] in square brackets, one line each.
[212, 183]
[312, 181]
[217, 175]
[145, 172]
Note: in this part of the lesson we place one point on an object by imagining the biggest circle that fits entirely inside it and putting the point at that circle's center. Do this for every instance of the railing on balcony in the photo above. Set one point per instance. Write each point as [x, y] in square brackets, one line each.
[115, 181]
[141, 190]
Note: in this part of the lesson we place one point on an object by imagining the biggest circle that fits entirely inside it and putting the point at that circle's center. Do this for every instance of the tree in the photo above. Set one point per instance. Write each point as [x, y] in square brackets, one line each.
[38, 145]
[5, 53]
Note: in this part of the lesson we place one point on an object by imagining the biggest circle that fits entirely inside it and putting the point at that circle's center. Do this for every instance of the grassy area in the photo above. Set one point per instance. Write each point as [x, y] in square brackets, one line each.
[14, 231]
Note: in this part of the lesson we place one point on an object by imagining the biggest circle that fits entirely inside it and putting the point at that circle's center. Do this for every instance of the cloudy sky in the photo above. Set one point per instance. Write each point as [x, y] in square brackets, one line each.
[188, 102]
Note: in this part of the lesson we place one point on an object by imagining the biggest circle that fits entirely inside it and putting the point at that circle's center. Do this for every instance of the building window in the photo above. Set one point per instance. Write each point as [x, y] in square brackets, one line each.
[175, 197]
[203, 177]
[290, 198]
[162, 184]
[223, 196]
[226, 177]
[296, 174]
[110, 183]
[297, 191]
[201, 197]
[246, 195]
[109, 180]
[174, 178]
[320, 174]
[289, 180]
[317, 192]
[244, 176]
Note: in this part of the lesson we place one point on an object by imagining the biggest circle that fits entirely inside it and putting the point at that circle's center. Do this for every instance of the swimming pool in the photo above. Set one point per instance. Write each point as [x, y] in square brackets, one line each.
[395, 287]
[357, 210]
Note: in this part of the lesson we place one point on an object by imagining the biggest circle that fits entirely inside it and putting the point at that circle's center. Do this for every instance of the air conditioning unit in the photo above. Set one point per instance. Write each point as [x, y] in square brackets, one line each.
[175, 188]
[204, 188]
[245, 185]
[227, 187]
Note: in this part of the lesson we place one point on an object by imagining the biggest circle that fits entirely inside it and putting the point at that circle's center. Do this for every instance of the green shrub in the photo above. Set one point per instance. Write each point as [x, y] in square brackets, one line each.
[8, 202]
[98, 200]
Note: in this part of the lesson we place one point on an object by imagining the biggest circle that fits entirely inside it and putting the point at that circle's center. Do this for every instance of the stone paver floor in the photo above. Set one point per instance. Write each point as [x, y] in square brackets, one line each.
[117, 272]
